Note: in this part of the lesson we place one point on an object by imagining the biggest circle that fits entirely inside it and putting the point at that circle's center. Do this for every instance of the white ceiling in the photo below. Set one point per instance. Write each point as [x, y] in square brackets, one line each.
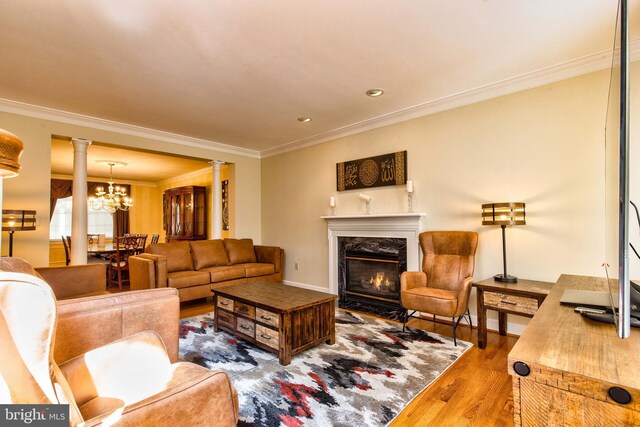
[240, 72]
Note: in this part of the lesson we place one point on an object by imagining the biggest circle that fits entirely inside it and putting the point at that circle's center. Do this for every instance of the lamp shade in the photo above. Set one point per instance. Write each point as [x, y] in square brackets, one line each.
[10, 150]
[512, 213]
[18, 220]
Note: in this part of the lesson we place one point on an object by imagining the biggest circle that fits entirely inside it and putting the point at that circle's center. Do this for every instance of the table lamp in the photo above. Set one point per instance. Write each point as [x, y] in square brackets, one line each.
[10, 151]
[17, 220]
[504, 214]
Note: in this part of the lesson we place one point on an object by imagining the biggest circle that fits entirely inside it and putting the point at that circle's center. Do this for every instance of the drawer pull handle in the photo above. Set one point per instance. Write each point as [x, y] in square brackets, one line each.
[508, 302]
[266, 337]
[243, 310]
[245, 327]
[266, 318]
[224, 303]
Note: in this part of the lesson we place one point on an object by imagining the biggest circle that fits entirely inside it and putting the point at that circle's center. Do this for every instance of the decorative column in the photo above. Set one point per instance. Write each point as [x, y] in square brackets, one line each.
[216, 201]
[79, 206]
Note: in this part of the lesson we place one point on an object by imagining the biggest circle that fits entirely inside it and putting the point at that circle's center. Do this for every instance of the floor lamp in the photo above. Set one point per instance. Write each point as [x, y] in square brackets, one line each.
[17, 220]
[504, 214]
[10, 150]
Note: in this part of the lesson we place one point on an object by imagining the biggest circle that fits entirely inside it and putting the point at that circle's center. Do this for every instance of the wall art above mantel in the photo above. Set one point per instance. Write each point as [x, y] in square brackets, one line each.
[377, 171]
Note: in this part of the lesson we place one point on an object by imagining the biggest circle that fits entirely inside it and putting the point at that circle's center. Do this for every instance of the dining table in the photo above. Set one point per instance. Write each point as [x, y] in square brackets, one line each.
[101, 250]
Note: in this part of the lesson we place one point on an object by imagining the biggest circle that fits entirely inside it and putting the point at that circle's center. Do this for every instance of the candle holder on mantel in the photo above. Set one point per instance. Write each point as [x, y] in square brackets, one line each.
[332, 206]
[410, 196]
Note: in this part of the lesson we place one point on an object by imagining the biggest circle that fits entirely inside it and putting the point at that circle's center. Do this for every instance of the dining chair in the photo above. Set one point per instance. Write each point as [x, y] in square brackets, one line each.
[155, 238]
[66, 242]
[118, 267]
[93, 239]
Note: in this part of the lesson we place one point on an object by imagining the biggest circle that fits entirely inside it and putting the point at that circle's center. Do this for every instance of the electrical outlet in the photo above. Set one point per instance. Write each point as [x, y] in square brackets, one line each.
[296, 266]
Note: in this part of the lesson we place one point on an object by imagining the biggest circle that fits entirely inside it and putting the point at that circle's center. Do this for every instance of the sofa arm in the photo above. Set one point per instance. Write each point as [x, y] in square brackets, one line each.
[271, 255]
[88, 323]
[75, 280]
[147, 271]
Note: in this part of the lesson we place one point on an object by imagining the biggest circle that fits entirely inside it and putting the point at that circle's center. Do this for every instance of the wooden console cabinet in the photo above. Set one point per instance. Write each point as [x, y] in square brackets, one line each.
[569, 371]
[185, 213]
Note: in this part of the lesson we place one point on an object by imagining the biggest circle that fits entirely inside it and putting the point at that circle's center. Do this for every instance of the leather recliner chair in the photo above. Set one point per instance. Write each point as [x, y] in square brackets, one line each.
[443, 286]
[130, 381]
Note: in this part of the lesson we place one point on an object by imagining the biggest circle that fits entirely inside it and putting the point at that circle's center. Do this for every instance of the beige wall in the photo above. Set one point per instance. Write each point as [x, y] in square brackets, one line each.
[542, 146]
[30, 190]
[145, 216]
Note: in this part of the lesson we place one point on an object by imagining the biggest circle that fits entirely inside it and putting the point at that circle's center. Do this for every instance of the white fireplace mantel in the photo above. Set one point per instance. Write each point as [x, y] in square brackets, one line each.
[400, 225]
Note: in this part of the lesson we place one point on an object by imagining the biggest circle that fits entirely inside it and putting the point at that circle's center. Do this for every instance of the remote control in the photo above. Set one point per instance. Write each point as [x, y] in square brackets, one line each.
[589, 310]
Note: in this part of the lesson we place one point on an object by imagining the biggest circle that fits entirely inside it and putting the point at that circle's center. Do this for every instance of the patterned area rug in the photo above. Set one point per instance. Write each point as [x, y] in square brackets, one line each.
[366, 378]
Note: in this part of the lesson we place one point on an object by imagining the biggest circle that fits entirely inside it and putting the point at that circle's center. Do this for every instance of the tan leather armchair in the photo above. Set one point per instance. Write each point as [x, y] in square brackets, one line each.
[443, 286]
[129, 381]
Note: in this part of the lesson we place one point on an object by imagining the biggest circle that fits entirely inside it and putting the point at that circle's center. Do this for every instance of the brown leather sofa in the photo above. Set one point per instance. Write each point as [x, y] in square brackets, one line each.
[197, 267]
[111, 357]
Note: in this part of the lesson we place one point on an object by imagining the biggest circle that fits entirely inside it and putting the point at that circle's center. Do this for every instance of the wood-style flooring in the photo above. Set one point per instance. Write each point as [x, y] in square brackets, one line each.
[475, 391]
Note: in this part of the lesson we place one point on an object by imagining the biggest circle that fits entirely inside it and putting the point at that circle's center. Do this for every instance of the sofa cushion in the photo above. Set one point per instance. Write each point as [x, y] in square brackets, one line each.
[208, 253]
[178, 255]
[183, 279]
[257, 269]
[227, 272]
[240, 250]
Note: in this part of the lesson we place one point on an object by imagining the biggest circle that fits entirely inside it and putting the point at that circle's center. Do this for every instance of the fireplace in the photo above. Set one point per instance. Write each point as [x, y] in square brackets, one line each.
[373, 276]
[369, 274]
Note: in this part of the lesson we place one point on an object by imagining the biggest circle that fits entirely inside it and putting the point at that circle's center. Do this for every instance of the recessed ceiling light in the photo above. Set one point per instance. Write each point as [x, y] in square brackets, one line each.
[304, 119]
[374, 92]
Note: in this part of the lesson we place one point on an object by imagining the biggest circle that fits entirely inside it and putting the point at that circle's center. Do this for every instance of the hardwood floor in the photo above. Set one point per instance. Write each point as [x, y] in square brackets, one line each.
[475, 391]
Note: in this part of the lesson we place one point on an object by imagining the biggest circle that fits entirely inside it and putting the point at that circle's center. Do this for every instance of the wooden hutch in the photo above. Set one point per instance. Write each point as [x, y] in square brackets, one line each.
[185, 215]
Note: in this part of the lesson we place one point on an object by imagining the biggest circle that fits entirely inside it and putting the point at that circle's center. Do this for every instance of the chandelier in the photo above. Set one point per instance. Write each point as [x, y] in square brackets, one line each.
[115, 198]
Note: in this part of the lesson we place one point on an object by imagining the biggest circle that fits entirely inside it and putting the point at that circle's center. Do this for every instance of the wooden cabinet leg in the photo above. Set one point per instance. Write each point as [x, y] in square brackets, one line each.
[502, 323]
[482, 320]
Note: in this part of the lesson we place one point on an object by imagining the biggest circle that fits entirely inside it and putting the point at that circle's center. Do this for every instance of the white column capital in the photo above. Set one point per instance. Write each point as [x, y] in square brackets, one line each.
[80, 143]
[216, 163]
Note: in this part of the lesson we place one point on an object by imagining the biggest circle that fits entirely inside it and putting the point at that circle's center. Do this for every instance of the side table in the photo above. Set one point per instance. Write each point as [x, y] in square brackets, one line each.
[522, 298]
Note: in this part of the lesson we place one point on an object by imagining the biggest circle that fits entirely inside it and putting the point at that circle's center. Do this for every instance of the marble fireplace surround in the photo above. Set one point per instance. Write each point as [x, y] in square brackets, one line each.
[400, 225]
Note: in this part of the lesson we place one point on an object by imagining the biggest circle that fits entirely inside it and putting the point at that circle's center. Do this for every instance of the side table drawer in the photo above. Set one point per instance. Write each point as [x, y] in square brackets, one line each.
[225, 303]
[267, 317]
[246, 326]
[245, 309]
[267, 336]
[226, 319]
[518, 304]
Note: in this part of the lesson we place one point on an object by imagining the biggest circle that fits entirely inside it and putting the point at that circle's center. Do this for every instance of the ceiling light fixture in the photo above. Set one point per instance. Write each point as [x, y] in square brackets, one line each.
[115, 198]
[374, 92]
[304, 119]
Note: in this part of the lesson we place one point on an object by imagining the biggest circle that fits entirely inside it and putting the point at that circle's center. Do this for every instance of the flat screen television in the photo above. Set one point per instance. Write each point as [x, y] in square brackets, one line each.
[617, 190]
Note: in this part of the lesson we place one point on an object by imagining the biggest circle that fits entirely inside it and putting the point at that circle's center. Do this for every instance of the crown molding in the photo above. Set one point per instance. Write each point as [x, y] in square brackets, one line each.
[38, 112]
[105, 179]
[576, 67]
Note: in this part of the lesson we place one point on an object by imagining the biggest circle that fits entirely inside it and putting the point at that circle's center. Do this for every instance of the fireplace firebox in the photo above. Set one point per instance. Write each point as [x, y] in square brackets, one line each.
[373, 276]
[369, 274]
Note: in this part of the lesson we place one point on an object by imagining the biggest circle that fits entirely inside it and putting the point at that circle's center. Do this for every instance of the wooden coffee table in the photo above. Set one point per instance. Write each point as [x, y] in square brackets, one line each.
[281, 319]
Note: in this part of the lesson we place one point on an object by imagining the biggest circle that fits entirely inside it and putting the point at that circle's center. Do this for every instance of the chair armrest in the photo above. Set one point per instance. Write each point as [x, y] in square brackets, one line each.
[88, 323]
[202, 397]
[75, 280]
[148, 271]
[412, 279]
[130, 369]
[463, 296]
[270, 254]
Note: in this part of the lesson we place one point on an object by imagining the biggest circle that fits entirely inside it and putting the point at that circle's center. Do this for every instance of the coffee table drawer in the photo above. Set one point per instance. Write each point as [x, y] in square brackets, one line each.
[245, 309]
[226, 319]
[246, 326]
[267, 317]
[267, 336]
[226, 303]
